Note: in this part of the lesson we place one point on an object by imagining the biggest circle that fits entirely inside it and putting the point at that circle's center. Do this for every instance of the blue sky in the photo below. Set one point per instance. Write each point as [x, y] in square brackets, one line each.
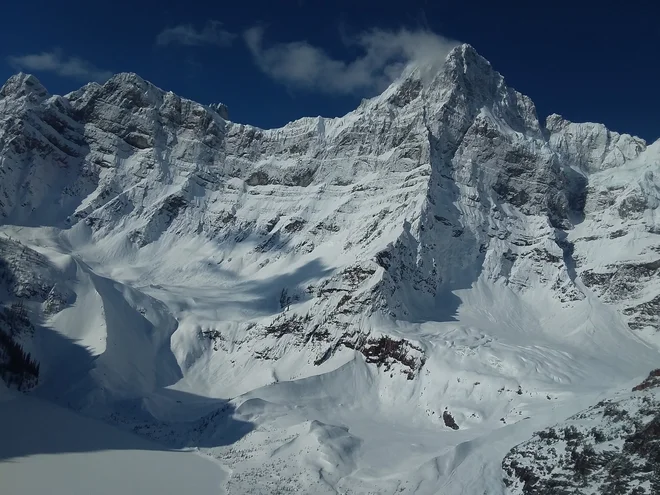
[274, 61]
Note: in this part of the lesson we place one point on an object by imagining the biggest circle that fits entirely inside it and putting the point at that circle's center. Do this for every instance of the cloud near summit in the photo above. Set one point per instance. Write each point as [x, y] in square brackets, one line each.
[384, 55]
[55, 61]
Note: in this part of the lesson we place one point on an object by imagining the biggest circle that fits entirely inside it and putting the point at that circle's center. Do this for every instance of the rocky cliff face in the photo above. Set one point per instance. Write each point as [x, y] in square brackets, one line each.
[443, 201]
[610, 448]
[443, 177]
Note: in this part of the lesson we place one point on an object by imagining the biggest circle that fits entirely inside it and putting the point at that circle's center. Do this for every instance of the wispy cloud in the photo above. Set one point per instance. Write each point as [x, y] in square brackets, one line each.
[61, 65]
[384, 55]
[186, 34]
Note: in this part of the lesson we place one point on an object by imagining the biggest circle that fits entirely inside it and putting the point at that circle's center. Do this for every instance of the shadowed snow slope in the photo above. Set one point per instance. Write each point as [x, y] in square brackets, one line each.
[47, 449]
[385, 302]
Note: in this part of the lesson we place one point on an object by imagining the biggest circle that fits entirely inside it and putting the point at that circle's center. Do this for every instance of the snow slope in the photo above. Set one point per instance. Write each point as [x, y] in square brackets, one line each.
[385, 302]
[48, 449]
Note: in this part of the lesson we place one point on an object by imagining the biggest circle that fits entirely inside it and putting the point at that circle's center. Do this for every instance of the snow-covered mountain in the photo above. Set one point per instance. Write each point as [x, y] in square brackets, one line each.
[383, 302]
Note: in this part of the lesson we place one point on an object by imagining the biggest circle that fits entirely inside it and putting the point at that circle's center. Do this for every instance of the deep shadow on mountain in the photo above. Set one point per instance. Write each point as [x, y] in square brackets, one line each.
[268, 290]
[45, 422]
[465, 256]
[32, 426]
[259, 297]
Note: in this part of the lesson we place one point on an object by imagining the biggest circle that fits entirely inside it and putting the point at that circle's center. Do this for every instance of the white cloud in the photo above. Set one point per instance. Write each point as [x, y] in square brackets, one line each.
[384, 55]
[54, 61]
[186, 34]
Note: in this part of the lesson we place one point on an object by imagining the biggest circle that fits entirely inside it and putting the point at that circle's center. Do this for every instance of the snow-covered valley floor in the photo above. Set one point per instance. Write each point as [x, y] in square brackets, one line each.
[48, 449]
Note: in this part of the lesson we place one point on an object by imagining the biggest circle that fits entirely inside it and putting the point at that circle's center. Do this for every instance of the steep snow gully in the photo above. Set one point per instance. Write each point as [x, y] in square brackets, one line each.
[386, 302]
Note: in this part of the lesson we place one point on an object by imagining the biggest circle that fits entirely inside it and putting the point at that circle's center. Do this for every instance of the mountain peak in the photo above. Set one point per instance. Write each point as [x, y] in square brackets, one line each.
[463, 50]
[465, 59]
[23, 84]
[128, 78]
[221, 109]
[465, 54]
[133, 90]
[131, 80]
